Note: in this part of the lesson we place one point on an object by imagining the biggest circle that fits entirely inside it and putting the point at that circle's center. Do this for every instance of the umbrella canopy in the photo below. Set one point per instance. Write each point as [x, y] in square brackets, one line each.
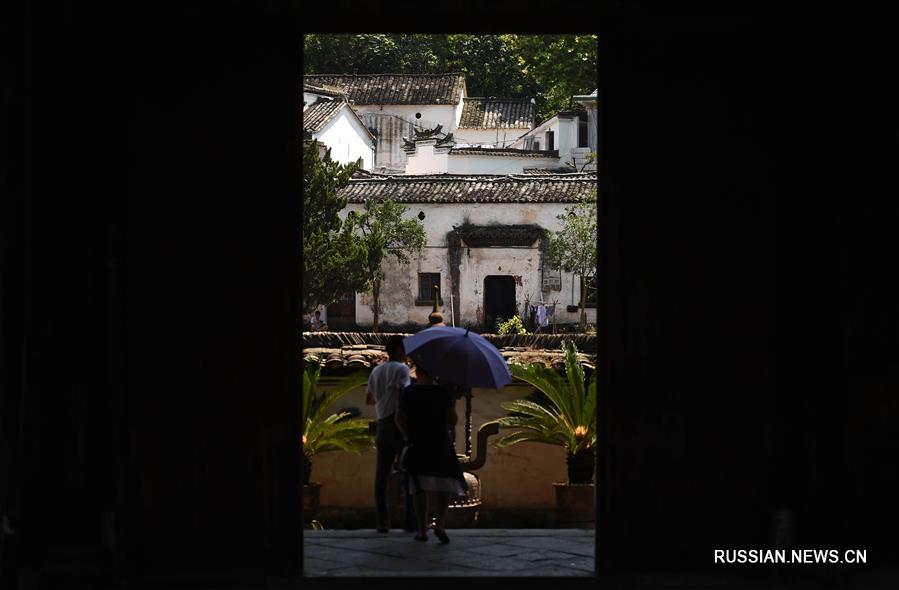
[458, 356]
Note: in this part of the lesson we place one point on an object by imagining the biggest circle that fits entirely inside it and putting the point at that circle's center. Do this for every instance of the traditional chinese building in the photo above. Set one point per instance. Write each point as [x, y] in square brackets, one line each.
[486, 250]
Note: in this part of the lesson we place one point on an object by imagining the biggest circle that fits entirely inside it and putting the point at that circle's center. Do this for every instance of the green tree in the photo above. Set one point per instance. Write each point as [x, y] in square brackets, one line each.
[549, 68]
[332, 259]
[384, 233]
[562, 66]
[573, 247]
[351, 54]
[490, 64]
[323, 432]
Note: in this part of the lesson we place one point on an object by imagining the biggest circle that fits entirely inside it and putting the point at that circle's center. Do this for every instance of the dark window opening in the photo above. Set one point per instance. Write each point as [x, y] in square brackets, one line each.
[550, 140]
[582, 140]
[428, 285]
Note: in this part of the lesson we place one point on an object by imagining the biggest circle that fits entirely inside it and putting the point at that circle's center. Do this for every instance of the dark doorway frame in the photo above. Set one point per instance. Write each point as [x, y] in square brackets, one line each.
[500, 285]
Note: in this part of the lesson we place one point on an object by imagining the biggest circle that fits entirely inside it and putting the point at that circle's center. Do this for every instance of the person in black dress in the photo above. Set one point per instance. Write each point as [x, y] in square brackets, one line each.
[426, 417]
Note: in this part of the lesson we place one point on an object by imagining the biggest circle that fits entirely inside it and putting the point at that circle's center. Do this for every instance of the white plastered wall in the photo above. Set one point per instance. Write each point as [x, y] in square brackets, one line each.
[428, 159]
[400, 288]
[392, 122]
[474, 164]
[476, 137]
[348, 139]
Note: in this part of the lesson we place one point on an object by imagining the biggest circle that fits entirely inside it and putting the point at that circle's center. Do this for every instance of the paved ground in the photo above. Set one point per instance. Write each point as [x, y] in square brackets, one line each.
[471, 552]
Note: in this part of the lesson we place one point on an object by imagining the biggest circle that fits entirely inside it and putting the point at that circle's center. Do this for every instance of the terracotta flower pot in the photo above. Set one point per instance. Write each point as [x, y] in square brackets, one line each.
[575, 505]
[311, 495]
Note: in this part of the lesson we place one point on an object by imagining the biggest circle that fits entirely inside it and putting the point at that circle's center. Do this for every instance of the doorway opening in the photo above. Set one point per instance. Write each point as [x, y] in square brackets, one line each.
[342, 314]
[499, 300]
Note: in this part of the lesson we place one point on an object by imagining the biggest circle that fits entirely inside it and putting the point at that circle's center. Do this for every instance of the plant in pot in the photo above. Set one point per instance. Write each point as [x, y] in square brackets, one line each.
[564, 416]
[324, 432]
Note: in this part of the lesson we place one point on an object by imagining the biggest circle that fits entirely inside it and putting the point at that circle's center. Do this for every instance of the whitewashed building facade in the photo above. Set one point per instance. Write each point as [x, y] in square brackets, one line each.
[393, 106]
[567, 133]
[485, 249]
[331, 121]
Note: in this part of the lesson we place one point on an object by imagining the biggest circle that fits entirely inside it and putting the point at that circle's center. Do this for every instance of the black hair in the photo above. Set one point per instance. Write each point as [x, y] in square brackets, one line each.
[394, 344]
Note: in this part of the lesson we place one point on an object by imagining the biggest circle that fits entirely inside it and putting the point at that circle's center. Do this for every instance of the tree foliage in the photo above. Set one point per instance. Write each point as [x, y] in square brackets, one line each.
[549, 68]
[332, 260]
[566, 417]
[383, 233]
[573, 247]
[323, 432]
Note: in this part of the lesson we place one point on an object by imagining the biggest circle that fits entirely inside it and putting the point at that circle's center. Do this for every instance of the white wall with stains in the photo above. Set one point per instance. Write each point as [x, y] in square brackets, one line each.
[393, 122]
[488, 137]
[400, 288]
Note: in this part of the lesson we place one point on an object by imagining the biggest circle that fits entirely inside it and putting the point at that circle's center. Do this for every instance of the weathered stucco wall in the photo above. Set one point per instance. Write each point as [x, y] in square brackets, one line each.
[520, 476]
[400, 287]
[469, 164]
[429, 159]
[392, 122]
[488, 137]
[347, 139]
[566, 136]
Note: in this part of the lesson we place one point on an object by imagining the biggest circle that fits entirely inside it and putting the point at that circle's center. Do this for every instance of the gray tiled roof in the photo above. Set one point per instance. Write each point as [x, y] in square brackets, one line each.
[484, 113]
[322, 90]
[394, 88]
[318, 114]
[561, 169]
[482, 188]
[474, 151]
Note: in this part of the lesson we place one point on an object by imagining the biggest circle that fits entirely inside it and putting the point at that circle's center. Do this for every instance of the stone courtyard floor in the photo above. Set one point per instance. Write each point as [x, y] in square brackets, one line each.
[470, 552]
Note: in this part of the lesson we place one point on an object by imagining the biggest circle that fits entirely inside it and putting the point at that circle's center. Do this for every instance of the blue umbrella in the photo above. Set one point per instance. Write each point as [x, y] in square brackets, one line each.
[458, 356]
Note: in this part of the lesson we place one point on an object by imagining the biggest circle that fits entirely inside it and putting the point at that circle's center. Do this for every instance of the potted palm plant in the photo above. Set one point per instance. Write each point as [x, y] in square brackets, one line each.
[565, 417]
[324, 432]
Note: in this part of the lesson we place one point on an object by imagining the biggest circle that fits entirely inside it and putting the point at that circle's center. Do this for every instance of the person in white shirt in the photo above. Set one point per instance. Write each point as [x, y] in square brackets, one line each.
[385, 384]
[315, 323]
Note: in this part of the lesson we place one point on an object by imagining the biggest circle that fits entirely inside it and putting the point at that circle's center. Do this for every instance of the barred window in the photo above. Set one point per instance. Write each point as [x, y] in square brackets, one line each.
[428, 283]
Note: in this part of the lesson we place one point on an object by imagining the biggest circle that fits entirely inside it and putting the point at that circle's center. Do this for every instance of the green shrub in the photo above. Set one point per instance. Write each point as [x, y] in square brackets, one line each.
[512, 326]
